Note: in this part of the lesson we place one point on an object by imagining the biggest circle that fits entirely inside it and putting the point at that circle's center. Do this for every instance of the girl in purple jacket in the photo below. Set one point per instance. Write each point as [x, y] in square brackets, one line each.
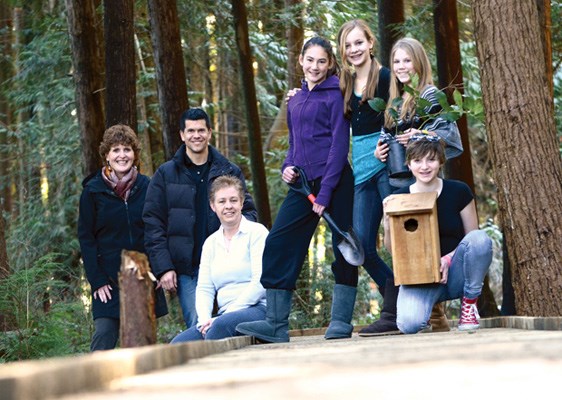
[319, 144]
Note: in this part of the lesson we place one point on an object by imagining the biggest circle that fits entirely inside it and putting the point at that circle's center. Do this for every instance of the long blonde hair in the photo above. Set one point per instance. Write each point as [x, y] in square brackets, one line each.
[347, 75]
[422, 69]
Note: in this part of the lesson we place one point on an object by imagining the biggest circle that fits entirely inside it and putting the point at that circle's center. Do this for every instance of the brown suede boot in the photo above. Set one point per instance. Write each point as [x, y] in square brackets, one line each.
[438, 319]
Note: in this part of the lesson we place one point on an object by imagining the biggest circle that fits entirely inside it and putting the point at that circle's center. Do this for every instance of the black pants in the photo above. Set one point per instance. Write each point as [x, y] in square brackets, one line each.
[287, 244]
[105, 335]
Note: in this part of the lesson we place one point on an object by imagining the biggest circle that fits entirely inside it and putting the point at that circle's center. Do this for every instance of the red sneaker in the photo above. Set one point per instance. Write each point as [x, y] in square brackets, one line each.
[469, 315]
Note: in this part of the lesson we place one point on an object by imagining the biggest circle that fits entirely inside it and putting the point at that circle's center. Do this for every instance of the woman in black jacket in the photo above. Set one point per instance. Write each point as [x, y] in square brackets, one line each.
[110, 220]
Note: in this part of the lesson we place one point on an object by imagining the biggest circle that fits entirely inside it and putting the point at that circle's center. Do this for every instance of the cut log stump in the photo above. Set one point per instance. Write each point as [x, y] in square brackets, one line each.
[138, 318]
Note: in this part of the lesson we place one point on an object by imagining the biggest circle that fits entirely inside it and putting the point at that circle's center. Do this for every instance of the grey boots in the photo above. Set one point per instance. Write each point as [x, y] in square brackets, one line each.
[275, 328]
[343, 302]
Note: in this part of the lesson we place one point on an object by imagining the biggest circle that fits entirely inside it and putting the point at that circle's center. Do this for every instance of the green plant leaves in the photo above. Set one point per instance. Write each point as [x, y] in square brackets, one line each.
[377, 104]
[442, 99]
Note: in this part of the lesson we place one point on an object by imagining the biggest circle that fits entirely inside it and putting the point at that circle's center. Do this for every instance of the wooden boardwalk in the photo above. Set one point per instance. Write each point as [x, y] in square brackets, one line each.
[494, 362]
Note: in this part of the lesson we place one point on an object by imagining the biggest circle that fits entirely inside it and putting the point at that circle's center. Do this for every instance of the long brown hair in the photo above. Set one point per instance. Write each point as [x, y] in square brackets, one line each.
[347, 75]
[422, 69]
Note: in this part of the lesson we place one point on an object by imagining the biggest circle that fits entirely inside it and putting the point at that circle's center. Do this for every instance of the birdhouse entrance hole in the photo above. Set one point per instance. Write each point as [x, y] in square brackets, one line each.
[411, 225]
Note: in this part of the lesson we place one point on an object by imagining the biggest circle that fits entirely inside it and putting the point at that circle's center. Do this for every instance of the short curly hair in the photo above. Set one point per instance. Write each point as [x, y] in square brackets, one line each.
[120, 135]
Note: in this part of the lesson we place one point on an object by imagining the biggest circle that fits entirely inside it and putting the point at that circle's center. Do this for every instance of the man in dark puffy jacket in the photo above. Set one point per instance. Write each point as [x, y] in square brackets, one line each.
[177, 214]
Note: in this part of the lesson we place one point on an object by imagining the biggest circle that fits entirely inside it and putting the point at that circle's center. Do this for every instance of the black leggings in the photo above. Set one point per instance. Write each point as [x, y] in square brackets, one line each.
[287, 243]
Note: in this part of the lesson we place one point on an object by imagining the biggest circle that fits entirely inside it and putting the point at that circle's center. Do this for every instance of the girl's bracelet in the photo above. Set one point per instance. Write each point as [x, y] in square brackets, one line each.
[448, 259]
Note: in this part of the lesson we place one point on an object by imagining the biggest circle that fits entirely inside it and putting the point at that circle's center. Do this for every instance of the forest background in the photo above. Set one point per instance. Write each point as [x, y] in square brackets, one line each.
[44, 297]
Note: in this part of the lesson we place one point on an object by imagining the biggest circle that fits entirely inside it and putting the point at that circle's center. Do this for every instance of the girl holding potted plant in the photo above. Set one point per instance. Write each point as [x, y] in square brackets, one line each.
[418, 108]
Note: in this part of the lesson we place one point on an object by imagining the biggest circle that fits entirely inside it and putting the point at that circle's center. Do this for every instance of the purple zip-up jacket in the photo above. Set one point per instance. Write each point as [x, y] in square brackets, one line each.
[318, 135]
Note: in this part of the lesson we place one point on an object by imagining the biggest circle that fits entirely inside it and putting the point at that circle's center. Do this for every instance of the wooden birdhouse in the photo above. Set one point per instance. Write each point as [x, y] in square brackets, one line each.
[414, 233]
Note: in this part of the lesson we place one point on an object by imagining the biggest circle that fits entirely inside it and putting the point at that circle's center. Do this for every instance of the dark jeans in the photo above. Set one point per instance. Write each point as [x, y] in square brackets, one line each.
[224, 325]
[367, 215]
[105, 335]
[287, 244]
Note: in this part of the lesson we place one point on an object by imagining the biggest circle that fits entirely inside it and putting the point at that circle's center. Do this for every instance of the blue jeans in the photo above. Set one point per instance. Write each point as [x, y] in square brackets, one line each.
[469, 267]
[224, 325]
[367, 215]
[186, 295]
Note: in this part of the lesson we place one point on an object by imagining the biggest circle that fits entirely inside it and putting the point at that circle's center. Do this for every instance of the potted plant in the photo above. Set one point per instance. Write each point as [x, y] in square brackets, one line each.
[425, 112]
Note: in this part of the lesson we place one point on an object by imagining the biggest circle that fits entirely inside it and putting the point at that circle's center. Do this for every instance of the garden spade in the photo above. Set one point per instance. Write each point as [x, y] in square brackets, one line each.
[349, 244]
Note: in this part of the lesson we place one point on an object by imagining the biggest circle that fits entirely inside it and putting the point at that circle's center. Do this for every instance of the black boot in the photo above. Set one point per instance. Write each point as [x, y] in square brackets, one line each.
[275, 328]
[386, 324]
[343, 302]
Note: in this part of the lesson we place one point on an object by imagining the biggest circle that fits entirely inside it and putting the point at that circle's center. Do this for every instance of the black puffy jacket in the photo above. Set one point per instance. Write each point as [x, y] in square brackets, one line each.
[169, 212]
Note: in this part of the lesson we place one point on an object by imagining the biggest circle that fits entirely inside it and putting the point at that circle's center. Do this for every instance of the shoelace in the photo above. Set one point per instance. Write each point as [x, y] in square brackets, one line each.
[469, 313]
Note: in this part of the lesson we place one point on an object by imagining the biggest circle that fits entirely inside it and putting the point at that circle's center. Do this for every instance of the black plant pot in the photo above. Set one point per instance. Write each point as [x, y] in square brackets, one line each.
[396, 161]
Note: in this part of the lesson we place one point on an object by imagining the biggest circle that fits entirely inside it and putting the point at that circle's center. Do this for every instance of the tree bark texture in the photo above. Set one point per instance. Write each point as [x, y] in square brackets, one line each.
[543, 7]
[391, 16]
[295, 39]
[88, 65]
[449, 70]
[120, 68]
[143, 128]
[252, 115]
[525, 155]
[6, 72]
[137, 301]
[170, 72]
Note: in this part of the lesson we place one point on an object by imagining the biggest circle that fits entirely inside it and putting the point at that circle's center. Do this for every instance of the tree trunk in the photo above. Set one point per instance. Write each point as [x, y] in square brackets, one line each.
[170, 73]
[137, 301]
[88, 64]
[543, 7]
[147, 165]
[6, 72]
[22, 175]
[120, 68]
[155, 144]
[252, 114]
[295, 39]
[391, 17]
[449, 69]
[524, 150]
